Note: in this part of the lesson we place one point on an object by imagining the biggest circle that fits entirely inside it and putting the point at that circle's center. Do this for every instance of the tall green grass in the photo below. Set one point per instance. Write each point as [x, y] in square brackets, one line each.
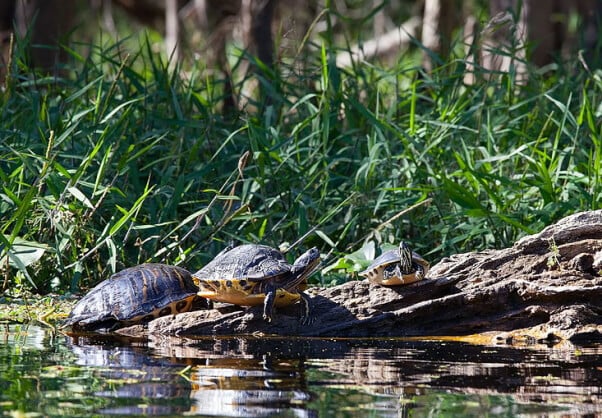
[124, 161]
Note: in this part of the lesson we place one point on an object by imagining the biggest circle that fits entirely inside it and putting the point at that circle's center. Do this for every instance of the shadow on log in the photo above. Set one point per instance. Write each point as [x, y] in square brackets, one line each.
[545, 288]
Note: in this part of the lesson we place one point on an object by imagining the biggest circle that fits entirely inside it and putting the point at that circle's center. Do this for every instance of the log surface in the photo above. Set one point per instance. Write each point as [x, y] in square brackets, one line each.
[545, 287]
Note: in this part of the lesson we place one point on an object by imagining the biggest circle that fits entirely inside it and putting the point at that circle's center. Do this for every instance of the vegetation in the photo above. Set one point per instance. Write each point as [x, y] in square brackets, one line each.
[123, 161]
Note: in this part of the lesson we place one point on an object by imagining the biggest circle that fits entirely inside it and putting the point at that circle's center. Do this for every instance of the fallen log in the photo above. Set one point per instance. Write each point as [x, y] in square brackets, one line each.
[546, 287]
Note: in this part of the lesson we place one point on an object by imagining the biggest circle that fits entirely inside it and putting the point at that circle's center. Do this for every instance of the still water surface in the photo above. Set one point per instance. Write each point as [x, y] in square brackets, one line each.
[47, 374]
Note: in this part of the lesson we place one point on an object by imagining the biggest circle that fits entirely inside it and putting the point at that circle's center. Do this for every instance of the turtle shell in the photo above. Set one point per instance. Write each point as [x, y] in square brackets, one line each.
[243, 275]
[136, 294]
[388, 269]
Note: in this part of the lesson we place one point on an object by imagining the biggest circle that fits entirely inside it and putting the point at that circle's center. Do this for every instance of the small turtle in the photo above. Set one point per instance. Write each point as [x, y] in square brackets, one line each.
[397, 267]
[136, 294]
[250, 275]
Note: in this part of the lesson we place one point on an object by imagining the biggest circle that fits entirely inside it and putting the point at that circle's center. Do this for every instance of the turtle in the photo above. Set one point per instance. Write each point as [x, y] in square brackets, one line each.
[134, 295]
[397, 267]
[253, 274]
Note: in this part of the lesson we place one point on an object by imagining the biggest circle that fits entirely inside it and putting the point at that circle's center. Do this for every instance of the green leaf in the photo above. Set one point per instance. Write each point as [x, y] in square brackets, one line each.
[462, 196]
[356, 261]
[76, 193]
[22, 253]
[325, 238]
[129, 214]
[118, 108]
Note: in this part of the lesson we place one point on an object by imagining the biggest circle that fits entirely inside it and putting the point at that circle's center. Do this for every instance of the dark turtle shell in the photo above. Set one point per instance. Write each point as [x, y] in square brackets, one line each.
[250, 275]
[136, 294]
[397, 267]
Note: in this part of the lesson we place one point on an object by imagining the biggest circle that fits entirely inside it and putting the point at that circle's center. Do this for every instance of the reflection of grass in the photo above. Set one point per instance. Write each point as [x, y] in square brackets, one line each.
[125, 162]
[36, 380]
[475, 405]
[354, 400]
[31, 307]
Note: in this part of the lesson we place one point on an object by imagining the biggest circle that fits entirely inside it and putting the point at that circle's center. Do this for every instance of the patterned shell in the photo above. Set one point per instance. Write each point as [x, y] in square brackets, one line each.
[251, 275]
[136, 294]
[245, 262]
[388, 257]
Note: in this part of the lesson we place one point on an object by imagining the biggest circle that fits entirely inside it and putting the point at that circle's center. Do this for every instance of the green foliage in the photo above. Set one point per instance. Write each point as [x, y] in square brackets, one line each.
[125, 162]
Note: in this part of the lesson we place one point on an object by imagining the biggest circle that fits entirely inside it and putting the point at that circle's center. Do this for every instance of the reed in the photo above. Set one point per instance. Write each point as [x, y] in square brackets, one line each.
[125, 162]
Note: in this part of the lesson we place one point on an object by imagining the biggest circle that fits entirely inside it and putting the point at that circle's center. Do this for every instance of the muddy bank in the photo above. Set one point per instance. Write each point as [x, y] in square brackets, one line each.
[547, 287]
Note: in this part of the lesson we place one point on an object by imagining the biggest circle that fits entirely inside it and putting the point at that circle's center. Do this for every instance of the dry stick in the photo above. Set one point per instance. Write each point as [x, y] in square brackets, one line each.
[47, 156]
[582, 61]
[172, 27]
[90, 211]
[6, 271]
[10, 62]
[330, 215]
[378, 228]
[228, 213]
[403, 212]
[242, 162]
[89, 253]
[300, 239]
[131, 223]
[308, 32]
[114, 85]
[393, 218]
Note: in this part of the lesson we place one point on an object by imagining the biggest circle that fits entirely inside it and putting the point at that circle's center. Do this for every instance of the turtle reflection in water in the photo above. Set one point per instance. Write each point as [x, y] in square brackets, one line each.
[134, 295]
[257, 386]
[397, 267]
[250, 275]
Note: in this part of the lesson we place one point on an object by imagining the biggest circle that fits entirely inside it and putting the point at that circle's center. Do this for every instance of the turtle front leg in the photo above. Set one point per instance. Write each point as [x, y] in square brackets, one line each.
[420, 273]
[392, 271]
[268, 304]
[306, 316]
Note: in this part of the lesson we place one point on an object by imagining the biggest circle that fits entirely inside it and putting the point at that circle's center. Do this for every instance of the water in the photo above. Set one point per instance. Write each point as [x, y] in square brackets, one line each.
[47, 374]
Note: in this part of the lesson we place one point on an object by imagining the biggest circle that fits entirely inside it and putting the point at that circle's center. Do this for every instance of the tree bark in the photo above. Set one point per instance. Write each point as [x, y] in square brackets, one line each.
[440, 19]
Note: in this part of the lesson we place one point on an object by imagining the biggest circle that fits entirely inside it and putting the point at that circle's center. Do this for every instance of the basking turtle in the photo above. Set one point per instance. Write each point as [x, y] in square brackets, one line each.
[136, 294]
[250, 275]
[396, 267]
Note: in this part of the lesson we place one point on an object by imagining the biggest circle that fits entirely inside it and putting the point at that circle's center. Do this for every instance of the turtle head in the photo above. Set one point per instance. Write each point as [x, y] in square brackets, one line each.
[306, 263]
[405, 258]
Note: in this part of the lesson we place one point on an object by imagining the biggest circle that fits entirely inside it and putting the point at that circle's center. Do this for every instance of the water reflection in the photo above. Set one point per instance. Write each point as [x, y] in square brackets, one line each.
[249, 388]
[235, 377]
[131, 380]
[191, 380]
[51, 375]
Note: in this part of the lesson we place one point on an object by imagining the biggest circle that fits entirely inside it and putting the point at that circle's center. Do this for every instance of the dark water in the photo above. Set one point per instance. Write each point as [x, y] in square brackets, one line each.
[46, 374]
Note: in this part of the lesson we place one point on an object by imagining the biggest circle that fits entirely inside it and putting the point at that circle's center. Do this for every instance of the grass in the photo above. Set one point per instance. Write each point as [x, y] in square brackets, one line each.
[124, 162]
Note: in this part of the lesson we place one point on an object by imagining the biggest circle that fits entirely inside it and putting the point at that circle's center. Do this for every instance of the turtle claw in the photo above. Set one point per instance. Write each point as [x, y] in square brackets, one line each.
[307, 320]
